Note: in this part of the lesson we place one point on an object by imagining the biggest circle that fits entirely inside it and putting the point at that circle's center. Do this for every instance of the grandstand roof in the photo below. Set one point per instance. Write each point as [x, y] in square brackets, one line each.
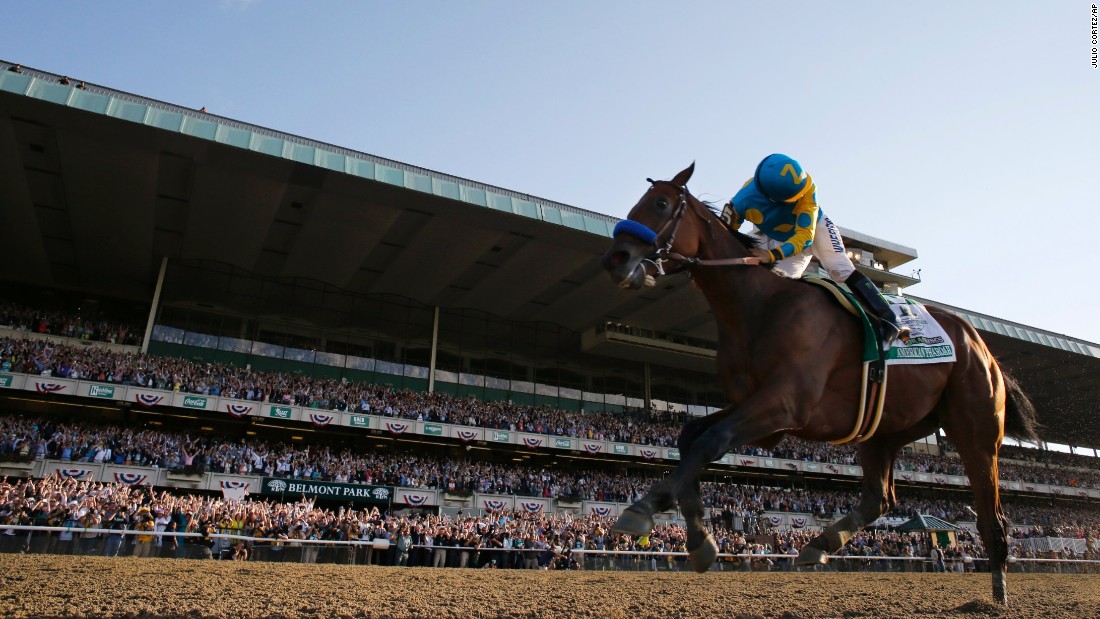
[97, 185]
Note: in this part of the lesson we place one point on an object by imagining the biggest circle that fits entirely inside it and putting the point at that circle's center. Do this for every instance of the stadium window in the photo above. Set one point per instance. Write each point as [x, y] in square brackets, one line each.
[385, 350]
[448, 361]
[417, 356]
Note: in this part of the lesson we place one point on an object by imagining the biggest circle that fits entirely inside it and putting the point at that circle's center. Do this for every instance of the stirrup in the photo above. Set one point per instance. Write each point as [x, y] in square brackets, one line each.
[892, 332]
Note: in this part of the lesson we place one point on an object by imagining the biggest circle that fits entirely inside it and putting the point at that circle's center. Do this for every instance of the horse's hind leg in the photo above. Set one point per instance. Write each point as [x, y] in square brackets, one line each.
[974, 426]
[877, 458]
[991, 520]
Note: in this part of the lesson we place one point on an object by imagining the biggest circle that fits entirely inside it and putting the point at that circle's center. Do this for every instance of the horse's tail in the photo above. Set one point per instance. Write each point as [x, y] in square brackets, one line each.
[1021, 420]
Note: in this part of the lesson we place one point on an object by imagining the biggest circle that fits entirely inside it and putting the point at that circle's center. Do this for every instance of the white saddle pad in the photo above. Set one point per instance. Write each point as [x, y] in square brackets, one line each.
[927, 343]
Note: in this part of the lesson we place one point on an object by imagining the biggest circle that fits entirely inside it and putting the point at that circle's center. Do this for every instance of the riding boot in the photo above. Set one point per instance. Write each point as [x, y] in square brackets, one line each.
[866, 291]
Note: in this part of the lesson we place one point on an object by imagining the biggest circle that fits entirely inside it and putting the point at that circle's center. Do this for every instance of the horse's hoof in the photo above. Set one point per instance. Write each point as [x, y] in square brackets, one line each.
[703, 557]
[811, 556]
[1000, 590]
[633, 522]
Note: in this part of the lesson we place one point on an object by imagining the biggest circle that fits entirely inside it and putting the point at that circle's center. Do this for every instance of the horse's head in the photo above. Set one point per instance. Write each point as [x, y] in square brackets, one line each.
[664, 220]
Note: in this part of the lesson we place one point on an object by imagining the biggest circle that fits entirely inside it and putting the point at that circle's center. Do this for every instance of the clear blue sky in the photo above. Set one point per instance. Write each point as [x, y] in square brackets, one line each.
[969, 131]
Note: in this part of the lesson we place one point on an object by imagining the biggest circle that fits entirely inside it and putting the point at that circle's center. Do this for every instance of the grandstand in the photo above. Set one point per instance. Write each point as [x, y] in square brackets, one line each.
[305, 290]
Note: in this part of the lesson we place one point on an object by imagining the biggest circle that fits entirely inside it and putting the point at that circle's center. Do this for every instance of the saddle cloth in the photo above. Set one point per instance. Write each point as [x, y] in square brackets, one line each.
[927, 343]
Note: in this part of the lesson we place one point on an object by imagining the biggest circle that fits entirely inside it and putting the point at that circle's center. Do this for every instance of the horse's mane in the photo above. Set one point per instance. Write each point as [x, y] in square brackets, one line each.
[747, 240]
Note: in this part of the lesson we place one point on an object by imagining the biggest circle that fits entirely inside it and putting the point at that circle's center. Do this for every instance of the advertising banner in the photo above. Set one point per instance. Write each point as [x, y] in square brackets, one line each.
[326, 490]
[12, 381]
[359, 421]
[99, 390]
[432, 429]
[277, 411]
[193, 402]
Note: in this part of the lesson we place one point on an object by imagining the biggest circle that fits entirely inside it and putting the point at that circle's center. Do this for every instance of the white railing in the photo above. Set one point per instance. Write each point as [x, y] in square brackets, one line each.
[260, 549]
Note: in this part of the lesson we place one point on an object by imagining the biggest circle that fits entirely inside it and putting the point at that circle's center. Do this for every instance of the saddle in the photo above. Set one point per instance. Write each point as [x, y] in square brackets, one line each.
[872, 393]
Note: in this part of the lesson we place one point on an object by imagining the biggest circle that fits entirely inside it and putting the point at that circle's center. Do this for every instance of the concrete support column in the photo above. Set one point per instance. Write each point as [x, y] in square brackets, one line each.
[435, 347]
[154, 306]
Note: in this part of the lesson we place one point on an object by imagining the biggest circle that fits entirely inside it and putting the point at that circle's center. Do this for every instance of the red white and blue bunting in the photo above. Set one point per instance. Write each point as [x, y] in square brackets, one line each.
[593, 448]
[599, 510]
[321, 419]
[415, 500]
[148, 399]
[466, 435]
[74, 473]
[232, 484]
[648, 454]
[532, 507]
[238, 410]
[494, 505]
[42, 387]
[396, 427]
[532, 442]
[130, 479]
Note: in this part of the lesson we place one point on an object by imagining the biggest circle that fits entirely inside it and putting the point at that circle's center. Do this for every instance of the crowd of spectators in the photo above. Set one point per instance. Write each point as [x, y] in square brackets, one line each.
[735, 509]
[661, 429]
[38, 438]
[637, 427]
[86, 326]
[22, 438]
[298, 531]
[215, 379]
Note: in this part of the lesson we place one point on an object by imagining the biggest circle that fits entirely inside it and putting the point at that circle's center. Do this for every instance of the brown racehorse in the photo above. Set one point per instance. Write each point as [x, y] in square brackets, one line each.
[789, 360]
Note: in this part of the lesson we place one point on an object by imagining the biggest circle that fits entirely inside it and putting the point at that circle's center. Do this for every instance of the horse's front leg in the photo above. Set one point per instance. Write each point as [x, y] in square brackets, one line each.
[701, 547]
[755, 419]
[638, 518]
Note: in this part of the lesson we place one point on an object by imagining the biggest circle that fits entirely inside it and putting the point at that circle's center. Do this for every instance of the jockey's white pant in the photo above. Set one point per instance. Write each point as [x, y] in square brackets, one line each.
[827, 247]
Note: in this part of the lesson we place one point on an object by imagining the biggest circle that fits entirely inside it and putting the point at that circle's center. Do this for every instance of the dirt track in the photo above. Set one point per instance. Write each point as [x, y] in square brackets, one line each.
[49, 586]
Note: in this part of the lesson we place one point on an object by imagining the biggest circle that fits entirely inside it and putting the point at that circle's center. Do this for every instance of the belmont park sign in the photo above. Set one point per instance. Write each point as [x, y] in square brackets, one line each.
[327, 490]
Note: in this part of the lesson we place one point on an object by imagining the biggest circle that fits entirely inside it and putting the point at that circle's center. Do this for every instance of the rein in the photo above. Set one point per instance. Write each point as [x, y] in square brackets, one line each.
[672, 225]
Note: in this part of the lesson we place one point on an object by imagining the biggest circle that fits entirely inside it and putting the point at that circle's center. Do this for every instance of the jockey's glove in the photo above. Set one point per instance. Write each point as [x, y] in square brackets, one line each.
[764, 255]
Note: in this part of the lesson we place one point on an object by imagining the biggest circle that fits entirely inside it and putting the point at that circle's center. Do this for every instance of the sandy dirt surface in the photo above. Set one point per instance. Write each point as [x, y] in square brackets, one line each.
[51, 586]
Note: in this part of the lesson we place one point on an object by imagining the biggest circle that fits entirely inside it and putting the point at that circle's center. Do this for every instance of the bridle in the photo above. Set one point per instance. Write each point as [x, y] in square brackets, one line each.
[671, 226]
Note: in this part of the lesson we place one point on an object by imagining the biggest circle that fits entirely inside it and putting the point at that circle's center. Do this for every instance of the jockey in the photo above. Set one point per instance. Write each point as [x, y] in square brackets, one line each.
[780, 200]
